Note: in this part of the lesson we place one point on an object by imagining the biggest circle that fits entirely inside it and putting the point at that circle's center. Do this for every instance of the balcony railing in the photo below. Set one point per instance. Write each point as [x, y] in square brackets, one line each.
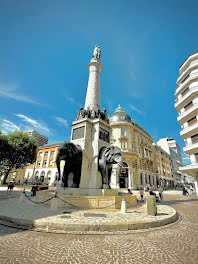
[188, 80]
[194, 125]
[180, 100]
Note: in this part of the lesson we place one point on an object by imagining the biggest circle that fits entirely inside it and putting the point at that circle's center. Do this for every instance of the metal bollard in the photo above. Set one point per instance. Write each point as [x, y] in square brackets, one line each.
[123, 206]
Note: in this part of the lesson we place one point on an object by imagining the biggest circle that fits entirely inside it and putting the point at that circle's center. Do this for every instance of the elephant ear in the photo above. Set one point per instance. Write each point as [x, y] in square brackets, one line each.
[109, 153]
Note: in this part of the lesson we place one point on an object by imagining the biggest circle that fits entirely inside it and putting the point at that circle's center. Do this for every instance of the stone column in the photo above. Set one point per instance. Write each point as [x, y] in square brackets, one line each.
[92, 101]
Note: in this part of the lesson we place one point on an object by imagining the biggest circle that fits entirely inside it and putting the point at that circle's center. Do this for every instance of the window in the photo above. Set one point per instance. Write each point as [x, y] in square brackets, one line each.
[185, 78]
[44, 162]
[194, 138]
[196, 157]
[124, 145]
[39, 163]
[192, 121]
[189, 105]
[185, 91]
[145, 178]
[46, 155]
[52, 153]
[40, 154]
[141, 179]
[123, 132]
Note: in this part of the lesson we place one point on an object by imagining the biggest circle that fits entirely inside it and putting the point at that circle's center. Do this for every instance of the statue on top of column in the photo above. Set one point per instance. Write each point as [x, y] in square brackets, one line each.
[97, 52]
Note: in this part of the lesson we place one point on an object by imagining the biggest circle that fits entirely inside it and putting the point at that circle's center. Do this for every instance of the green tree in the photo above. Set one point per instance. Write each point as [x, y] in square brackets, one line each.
[19, 150]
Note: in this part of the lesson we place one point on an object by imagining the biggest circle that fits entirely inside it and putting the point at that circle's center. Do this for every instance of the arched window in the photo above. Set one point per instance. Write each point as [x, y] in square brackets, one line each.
[42, 176]
[36, 175]
[48, 178]
[56, 177]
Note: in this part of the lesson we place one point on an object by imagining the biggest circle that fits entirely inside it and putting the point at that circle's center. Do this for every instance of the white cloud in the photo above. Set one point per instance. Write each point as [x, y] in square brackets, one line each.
[7, 126]
[61, 121]
[136, 110]
[12, 91]
[33, 124]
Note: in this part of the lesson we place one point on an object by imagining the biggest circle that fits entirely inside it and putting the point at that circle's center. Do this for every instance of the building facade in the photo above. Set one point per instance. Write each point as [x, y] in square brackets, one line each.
[44, 170]
[139, 153]
[41, 140]
[186, 104]
[163, 167]
[172, 148]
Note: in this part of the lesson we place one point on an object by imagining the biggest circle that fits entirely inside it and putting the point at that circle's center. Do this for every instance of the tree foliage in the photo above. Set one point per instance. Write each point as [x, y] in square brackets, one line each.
[17, 149]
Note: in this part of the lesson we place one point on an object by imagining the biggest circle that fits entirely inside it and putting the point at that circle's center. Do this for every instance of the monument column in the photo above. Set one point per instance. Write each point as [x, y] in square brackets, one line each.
[92, 102]
[91, 130]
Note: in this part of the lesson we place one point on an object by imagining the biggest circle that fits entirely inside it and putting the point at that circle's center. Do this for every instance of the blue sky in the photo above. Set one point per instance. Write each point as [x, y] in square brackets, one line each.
[45, 48]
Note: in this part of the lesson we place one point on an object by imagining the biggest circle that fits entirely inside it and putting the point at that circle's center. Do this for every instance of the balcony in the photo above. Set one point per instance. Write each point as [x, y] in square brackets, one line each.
[192, 78]
[191, 169]
[191, 60]
[192, 66]
[187, 97]
[189, 131]
[191, 148]
[192, 111]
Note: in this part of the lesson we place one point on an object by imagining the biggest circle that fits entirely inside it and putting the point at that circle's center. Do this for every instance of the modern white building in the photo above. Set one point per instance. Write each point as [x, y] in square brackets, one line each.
[41, 140]
[172, 148]
[186, 104]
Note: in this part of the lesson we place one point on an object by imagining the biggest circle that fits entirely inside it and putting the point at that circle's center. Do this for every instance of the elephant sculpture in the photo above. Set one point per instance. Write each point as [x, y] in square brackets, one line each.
[108, 156]
[72, 155]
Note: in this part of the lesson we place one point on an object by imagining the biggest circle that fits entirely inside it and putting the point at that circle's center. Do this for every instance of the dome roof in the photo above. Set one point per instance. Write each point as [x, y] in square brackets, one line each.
[119, 116]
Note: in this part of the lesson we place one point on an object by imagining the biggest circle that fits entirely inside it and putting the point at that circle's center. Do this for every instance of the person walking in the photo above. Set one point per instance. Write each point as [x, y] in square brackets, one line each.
[10, 187]
[141, 194]
[160, 190]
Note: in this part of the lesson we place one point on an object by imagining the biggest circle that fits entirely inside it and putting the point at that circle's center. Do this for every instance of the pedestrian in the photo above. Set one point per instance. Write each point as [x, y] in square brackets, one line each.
[185, 191]
[141, 194]
[160, 190]
[129, 191]
[10, 187]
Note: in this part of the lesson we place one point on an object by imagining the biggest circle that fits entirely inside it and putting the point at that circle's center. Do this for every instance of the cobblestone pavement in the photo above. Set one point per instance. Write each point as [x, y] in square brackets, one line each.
[177, 243]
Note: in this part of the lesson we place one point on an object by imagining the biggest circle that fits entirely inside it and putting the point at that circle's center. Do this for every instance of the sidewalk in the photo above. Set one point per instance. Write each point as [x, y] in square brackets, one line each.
[41, 217]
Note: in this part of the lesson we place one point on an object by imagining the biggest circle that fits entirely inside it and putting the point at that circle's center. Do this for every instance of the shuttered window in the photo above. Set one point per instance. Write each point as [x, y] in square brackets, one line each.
[192, 121]
[194, 138]
[188, 106]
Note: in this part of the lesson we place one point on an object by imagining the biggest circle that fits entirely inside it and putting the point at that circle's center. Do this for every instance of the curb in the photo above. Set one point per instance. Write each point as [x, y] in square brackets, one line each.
[43, 226]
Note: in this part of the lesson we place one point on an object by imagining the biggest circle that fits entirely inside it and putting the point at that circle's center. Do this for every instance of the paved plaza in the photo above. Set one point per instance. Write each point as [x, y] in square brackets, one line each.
[175, 243]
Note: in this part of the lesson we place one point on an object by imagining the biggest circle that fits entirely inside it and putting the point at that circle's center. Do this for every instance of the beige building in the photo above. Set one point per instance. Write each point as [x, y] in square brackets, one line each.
[137, 150]
[44, 169]
[163, 167]
[147, 164]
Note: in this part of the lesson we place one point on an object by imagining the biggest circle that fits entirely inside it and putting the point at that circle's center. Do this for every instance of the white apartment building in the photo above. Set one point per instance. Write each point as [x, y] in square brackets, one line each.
[41, 140]
[186, 104]
[172, 148]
